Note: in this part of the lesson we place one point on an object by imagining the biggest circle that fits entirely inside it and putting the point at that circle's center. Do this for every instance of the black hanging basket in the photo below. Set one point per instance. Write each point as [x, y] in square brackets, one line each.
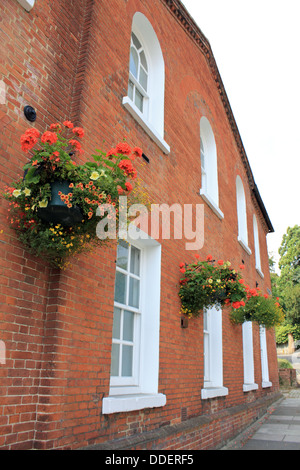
[57, 211]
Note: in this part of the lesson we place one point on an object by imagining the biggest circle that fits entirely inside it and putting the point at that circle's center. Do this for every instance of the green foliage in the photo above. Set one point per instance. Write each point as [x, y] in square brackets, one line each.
[288, 283]
[92, 184]
[205, 284]
[282, 332]
[263, 310]
[284, 364]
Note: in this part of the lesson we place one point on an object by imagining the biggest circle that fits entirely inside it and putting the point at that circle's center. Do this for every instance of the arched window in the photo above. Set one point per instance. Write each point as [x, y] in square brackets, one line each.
[138, 74]
[209, 168]
[146, 84]
[242, 215]
[256, 246]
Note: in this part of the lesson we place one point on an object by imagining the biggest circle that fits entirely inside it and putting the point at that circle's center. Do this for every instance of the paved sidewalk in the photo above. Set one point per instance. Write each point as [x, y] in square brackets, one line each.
[278, 429]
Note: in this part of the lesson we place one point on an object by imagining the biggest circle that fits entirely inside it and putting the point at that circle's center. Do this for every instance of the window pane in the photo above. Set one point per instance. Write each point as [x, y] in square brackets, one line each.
[135, 261]
[122, 254]
[127, 361]
[206, 358]
[139, 100]
[135, 41]
[134, 62]
[143, 60]
[143, 78]
[115, 353]
[120, 288]
[116, 323]
[202, 160]
[134, 292]
[130, 90]
[128, 326]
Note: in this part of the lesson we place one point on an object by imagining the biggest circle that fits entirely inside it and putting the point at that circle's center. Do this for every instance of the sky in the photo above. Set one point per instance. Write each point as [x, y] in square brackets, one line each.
[256, 45]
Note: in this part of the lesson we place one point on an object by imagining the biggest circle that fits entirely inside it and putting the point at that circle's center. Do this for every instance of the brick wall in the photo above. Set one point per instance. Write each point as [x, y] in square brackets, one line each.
[69, 59]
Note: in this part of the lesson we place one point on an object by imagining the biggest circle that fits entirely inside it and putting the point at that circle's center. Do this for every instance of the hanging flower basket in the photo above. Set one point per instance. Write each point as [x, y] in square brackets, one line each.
[54, 207]
[209, 283]
[206, 283]
[261, 309]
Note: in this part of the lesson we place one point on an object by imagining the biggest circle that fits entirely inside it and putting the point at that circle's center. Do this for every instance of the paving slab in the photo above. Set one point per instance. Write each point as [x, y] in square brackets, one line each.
[278, 429]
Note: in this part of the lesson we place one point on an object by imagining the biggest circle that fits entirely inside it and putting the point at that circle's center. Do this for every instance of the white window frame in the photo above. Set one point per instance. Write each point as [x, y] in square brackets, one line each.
[257, 247]
[209, 167]
[27, 4]
[152, 117]
[213, 354]
[242, 215]
[136, 83]
[264, 358]
[133, 380]
[248, 358]
[144, 394]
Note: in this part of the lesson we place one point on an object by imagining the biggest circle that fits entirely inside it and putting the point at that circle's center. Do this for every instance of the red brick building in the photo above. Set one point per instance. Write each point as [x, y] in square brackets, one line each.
[142, 70]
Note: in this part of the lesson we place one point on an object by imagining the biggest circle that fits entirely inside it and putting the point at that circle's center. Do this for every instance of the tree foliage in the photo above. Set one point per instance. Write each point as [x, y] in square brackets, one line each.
[287, 285]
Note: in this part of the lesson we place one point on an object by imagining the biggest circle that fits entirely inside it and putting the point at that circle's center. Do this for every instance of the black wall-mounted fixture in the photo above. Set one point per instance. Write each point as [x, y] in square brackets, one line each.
[145, 158]
[184, 322]
[30, 113]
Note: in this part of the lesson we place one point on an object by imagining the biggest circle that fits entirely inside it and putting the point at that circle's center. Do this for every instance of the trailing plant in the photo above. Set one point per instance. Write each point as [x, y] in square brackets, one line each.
[90, 185]
[208, 283]
[262, 309]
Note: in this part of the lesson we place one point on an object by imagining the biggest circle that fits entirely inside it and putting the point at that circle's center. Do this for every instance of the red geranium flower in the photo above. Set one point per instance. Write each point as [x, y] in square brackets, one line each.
[56, 126]
[68, 124]
[29, 139]
[123, 148]
[138, 151]
[75, 143]
[49, 137]
[129, 186]
[128, 168]
[78, 131]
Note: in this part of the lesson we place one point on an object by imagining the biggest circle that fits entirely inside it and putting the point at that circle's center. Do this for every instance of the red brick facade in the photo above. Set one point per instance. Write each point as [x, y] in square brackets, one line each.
[69, 60]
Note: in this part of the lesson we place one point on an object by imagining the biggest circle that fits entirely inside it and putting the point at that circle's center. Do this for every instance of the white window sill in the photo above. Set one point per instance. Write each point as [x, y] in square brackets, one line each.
[260, 272]
[151, 131]
[27, 4]
[244, 245]
[266, 384]
[212, 204]
[249, 387]
[124, 403]
[213, 392]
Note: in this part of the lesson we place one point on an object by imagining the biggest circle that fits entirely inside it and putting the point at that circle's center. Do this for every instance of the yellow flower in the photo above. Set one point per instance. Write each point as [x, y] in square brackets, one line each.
[27, 191]
[43, 203]
[95, 175]
[17, 192]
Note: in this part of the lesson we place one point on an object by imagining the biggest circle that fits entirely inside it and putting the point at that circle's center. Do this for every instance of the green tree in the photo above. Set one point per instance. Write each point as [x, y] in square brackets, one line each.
[288, 282]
